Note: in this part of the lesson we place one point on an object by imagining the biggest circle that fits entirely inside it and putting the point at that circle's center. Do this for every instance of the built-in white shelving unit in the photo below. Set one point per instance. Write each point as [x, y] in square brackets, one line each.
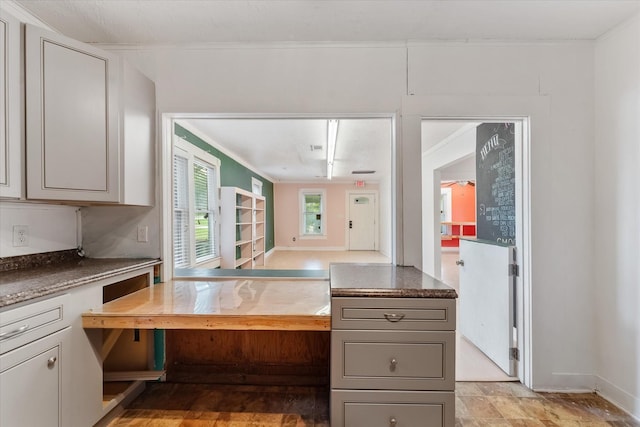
[242, 228]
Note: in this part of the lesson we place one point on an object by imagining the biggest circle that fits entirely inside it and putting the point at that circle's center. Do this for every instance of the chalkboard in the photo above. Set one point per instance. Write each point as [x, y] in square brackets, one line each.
[496, 183]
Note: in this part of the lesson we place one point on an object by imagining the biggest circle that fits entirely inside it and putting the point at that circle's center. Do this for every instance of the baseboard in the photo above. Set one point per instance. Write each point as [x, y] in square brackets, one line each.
[569, 383]
[310, 248]
[622, 399]
[270, 252]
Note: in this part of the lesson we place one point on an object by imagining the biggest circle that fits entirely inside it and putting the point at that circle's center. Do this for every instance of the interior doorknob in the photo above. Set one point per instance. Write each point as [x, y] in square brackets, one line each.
[460, 262]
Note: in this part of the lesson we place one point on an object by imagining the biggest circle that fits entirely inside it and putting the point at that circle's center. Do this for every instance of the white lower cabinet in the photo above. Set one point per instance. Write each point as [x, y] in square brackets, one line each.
[44, 363]
[392, 362]
[381, 408]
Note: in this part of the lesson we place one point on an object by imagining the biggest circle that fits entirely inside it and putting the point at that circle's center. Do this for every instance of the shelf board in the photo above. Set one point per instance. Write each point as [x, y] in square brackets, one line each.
[242, 242]
[242, 261]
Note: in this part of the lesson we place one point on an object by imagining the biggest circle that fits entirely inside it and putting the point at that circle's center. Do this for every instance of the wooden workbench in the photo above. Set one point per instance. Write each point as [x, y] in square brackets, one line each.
[236, 304]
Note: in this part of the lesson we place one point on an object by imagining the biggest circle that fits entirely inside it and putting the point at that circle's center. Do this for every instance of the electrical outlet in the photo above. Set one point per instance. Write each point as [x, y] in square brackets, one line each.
[143, 233]
[20, 235]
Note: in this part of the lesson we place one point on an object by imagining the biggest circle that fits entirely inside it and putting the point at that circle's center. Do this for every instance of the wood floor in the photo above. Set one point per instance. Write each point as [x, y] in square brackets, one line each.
[477, 404]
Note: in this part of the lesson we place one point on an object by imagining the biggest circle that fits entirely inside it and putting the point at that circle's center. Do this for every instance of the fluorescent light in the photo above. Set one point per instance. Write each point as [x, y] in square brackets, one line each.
[332, 137]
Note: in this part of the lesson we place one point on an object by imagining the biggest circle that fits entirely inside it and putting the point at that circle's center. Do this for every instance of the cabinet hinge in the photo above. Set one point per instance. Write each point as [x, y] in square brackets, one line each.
[514, 270]
[514, 354]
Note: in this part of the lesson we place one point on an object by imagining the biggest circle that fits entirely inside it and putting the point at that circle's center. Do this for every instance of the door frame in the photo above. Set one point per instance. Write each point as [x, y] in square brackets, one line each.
[376, 217]
[440, 156]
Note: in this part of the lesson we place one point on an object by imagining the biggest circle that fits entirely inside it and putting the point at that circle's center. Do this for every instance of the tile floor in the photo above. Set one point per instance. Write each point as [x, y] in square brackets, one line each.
[477, 404]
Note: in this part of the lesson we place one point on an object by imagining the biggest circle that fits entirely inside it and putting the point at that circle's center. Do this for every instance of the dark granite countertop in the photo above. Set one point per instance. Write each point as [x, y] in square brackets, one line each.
[33, 282]
[382, 280]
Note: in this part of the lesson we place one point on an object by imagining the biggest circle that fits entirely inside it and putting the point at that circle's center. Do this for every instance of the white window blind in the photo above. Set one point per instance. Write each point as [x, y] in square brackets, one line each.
[195, 207]
[204, 178]
[181, 241]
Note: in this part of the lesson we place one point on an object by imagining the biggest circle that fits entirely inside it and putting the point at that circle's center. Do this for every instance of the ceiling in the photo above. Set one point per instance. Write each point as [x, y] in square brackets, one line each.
[280, 148]
[259, 21]
[287, 150]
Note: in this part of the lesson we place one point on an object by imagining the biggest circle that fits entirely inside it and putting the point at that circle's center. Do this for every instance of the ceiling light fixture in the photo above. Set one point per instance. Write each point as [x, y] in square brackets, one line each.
[332, 138]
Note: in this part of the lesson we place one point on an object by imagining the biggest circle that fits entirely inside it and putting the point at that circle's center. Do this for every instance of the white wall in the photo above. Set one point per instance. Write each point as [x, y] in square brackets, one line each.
[384, 79]
[617, 212]
[50, 227]
[112, 231]
[561, 152]
[374, 79]
[386, 217]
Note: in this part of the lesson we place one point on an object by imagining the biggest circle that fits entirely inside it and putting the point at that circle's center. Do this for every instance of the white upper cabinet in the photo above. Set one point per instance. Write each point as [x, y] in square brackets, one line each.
[137, 134]
[72, 119]
[89, 124]
[11, 117]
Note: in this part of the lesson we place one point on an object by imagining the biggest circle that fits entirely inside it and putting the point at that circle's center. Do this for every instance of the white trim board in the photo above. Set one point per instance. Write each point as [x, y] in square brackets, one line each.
[622, 399]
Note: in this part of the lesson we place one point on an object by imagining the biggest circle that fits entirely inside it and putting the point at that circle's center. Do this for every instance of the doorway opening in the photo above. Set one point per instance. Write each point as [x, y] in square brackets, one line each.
[280, 155]
[449, 148]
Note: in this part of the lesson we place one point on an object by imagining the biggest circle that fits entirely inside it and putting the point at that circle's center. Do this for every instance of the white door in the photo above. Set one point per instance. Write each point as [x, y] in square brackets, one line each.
[362, 222]
[487, 300]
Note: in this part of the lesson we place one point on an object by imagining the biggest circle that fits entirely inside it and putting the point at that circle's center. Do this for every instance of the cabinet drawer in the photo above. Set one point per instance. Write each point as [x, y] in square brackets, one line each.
[397, 360]
[22, 325]
[351, 408]
[421, 314]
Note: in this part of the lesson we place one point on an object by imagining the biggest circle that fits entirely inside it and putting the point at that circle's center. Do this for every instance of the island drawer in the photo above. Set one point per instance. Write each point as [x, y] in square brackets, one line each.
[394, 360]
[27, 323]
[418, 314]
[354, 408]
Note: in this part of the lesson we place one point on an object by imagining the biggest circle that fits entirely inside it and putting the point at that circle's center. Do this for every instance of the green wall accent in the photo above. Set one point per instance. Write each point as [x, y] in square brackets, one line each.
[233, 174]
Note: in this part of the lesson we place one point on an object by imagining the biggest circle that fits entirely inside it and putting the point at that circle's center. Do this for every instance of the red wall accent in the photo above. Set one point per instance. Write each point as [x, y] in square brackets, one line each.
[463, 203]
[463, 209]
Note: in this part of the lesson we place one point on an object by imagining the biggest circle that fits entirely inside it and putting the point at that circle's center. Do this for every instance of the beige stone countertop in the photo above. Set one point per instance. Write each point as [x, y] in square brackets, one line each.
[28, 283]
[384, 280]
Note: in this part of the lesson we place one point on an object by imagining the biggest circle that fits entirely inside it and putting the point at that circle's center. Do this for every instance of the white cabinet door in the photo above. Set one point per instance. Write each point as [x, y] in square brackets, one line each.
[72, 119]
[86, 376]
[138, 97]
[32, 384]
[11, 118]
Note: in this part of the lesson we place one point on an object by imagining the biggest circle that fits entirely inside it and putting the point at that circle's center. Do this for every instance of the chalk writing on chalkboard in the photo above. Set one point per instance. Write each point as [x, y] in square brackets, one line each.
[496, 182]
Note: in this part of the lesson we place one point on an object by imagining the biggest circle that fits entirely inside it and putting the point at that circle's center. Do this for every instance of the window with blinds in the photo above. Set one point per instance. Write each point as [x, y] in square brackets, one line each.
[181, 231]
[195, 206]
[205, 211]
[312, 213]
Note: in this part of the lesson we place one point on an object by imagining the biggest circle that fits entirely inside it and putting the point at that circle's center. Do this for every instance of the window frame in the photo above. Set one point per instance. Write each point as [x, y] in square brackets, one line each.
[194, 155]
[323, 213]
[256, 183]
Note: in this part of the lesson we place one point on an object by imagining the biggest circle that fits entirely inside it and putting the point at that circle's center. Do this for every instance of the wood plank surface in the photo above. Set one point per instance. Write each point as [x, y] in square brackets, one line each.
[248, 357]
[237, 304]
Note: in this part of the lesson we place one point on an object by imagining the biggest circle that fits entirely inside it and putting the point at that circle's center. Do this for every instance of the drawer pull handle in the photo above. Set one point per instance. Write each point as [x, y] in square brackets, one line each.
[22, 329]
[393, 317]
[52, 362]
[393, 364]
[393, 422]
